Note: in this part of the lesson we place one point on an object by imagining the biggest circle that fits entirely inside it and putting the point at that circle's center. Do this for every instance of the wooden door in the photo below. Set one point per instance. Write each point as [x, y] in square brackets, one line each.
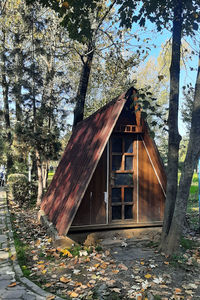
[123, 179]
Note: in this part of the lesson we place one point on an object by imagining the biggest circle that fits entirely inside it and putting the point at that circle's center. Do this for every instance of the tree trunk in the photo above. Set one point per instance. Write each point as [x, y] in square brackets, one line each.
[192, 156]
[18, 77]
[45, 169]
[83, 85]
[40, 180]
[6, 112]
[174, 137]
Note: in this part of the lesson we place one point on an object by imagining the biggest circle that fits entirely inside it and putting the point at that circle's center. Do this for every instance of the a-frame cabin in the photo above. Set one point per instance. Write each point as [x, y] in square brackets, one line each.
[110, 175]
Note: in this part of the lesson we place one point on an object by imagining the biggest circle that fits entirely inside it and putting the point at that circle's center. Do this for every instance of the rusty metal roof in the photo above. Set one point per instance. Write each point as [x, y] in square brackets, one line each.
[78, 163]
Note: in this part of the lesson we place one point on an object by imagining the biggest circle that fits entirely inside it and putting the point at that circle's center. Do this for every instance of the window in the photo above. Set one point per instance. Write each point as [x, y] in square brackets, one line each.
[122, 177]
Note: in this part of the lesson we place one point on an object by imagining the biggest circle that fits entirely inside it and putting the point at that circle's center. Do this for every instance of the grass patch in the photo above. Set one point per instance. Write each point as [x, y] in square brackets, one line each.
[187, 244]
[21, 250]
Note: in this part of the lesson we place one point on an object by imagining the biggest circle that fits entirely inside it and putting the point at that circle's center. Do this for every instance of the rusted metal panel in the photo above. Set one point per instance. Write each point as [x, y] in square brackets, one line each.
[78, 164]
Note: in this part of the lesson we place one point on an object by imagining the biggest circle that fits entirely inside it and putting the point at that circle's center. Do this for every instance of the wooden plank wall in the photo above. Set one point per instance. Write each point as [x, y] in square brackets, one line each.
[92, 209]
[151, 196]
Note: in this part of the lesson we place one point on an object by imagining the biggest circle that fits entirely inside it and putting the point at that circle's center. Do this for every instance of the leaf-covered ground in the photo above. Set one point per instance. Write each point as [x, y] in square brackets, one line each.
[129, 269]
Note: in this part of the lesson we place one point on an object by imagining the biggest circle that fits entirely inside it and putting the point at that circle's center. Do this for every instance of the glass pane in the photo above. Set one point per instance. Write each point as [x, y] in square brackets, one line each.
[128, 145]
[124, 179]
[116, 195]
[128, 162]
[116, 213]
[117, 144]
[128, 212]
[128, 194]
[116, 162]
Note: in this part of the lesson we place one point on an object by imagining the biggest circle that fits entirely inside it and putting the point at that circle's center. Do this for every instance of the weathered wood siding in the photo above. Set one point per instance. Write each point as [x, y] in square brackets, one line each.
[92, 209]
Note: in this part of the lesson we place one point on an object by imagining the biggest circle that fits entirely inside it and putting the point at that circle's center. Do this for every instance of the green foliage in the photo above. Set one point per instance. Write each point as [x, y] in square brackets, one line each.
[186, 109]
[187, 244]
[75, 16]
[12, 178]
[21, 250]
[160, 13]
[24, 192]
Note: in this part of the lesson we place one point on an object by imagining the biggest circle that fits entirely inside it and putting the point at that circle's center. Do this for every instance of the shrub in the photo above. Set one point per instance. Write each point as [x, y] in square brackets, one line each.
[24, 192]
[12, 178]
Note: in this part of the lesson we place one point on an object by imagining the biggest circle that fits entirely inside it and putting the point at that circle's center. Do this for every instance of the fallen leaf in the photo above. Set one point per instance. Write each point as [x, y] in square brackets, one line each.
[44, 271]
[83, 253]
[50, 297]
[37, 243]
[177, 291]
[40, 262]
[116, 290]
[115, 271]
[65, 252]
[13, 257]
[166, 262]
[78, 284]
[142, 263]
[73, 295]
[96, 265]
[76, 272]
[12, 284]
[104, 265]
[158, 280]
[139, 297]
[64, 279]
[148, 276]
[123, 267]
[49, 284]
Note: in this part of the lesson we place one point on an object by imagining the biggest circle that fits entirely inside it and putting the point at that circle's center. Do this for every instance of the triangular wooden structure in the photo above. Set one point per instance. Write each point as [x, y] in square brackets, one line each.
[110, 175]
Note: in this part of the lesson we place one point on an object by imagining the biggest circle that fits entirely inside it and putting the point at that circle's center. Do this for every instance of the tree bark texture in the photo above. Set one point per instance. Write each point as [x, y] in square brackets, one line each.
[17, 80]
[40, 179]
[6, 112]
[192, 156]
[174, 137]
[83, 85]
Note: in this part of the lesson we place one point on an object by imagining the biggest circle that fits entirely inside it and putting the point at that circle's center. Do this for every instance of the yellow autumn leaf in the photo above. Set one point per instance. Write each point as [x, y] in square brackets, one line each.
[103, 265]
[64, 279]
[37, 242]
[66, 252]
[96, 265]
[49, 284]
[13, 257]
[74, 295]
[44, 271]
[142, 263]
[41, 267]
[147, 276]
[40, 262]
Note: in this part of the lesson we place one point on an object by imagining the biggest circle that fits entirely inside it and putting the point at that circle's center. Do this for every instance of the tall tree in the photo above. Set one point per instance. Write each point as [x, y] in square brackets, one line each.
[168, 14]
